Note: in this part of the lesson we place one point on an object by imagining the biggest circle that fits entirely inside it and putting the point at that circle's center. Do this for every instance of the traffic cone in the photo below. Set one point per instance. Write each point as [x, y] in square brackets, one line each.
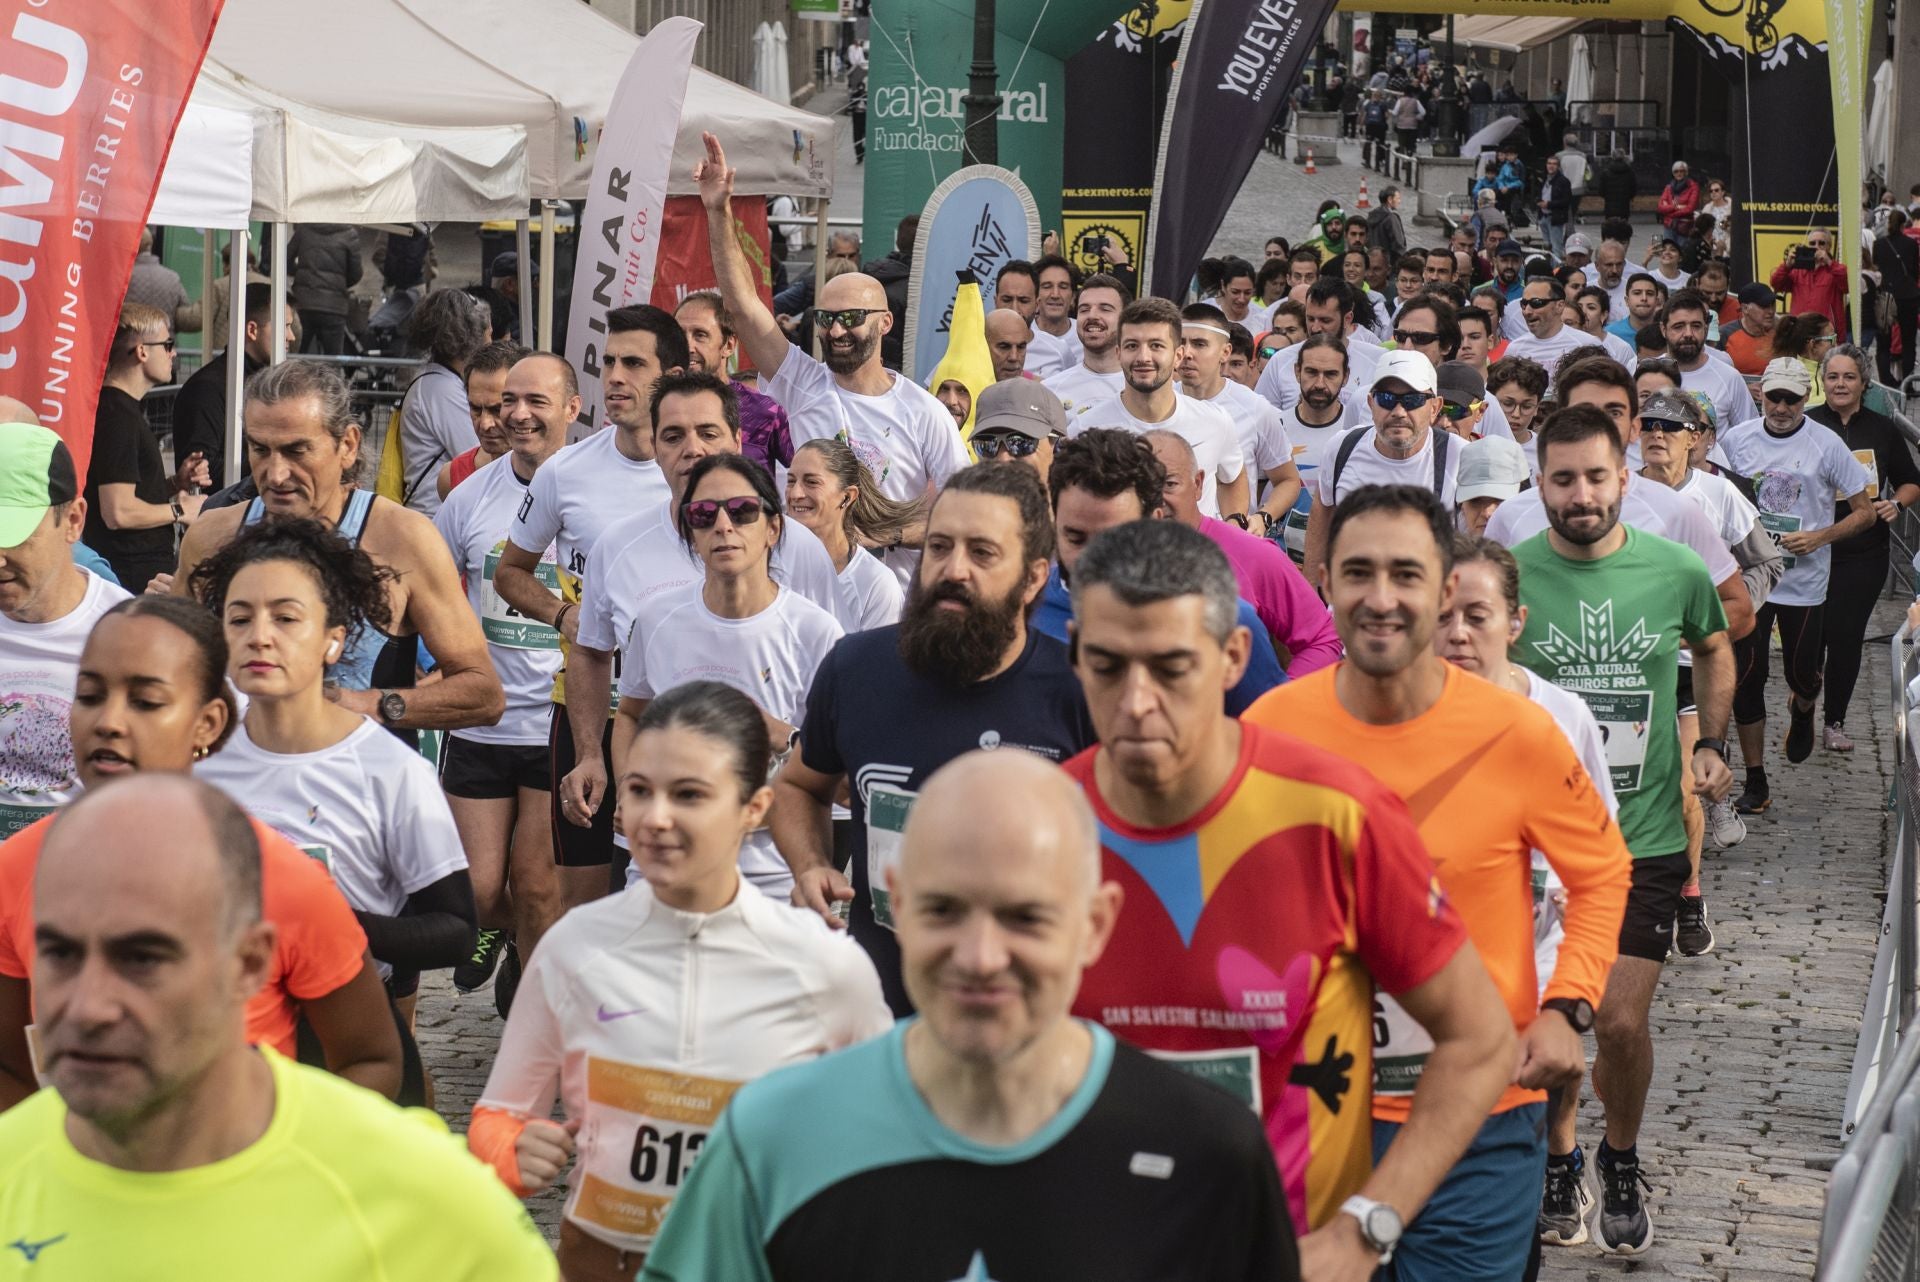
[1310, 166]
[1363, 202]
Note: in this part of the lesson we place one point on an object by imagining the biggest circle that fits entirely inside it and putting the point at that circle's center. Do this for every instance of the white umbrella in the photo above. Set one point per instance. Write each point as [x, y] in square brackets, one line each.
[1879, 140]
[1579, 78]
[1490, 137]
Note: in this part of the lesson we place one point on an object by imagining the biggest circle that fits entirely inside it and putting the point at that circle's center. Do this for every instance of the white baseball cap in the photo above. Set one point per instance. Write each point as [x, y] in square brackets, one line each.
[1492, 467]
[1409, 367]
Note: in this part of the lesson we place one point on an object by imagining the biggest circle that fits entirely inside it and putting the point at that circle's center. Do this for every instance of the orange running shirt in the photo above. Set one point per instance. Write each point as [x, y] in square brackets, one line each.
[319, 945]
[1488, 777]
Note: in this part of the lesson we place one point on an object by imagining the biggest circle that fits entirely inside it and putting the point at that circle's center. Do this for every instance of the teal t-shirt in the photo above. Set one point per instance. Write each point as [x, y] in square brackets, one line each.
[1610, 631]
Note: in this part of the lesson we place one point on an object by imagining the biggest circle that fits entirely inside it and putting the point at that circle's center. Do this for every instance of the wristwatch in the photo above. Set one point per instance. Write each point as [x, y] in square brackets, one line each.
[1715, 746]
[1239, 519]
[1578, 1010]
[393, 708]
[1266, 520]
[179, 509]
[1380, 1226]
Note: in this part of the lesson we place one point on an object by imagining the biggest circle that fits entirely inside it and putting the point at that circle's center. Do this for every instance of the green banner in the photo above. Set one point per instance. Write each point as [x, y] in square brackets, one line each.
[818, 10]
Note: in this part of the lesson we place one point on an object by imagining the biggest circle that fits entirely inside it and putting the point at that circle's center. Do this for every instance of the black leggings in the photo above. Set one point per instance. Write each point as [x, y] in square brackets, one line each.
[1800, 645]
[1851, 596]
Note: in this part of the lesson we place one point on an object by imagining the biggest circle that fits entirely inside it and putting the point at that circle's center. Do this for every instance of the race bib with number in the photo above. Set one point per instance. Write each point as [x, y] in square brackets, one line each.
[1235, 1071]
[1777, 525]
[1871, 462]
[887, 810]
[643, 1129]
[1625, 718]
[1400, 1048]
[506, 626]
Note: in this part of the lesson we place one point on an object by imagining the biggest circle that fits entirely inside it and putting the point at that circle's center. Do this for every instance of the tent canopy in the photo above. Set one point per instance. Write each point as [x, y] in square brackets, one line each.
[548, 67]
[1511, 35]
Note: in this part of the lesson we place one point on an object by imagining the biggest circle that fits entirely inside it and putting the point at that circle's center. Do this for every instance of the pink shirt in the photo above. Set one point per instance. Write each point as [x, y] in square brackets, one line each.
[1280, 595]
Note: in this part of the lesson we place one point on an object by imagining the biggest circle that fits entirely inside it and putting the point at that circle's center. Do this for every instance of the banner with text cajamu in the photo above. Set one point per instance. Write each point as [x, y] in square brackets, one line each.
[91, 94]
[1238, 61]
[626, 201]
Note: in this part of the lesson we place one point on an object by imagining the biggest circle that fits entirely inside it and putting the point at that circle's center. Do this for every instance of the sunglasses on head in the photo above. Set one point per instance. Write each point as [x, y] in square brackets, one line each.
[1014, 444]
[1781, 396]
[1404, 400]
[1415, 337]
[846, 318]
[702, 513]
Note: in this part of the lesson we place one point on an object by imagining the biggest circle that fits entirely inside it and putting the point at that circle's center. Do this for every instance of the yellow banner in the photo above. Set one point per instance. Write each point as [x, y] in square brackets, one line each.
[1739, 22]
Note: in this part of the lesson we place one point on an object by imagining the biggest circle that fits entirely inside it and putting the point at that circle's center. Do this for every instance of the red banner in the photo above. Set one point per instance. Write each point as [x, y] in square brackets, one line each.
[685, 263]
[90, 93]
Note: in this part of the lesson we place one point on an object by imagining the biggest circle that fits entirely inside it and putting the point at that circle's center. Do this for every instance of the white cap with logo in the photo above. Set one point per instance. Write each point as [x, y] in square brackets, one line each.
[1411, 368]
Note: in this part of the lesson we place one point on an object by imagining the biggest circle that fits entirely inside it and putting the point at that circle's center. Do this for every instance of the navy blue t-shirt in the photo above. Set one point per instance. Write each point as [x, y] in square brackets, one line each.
[887, 728]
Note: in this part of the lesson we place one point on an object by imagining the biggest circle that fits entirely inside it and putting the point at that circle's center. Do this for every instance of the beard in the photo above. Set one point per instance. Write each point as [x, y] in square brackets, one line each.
[957, 647]
[1686, 350]
[1561, 519]
[851, 359]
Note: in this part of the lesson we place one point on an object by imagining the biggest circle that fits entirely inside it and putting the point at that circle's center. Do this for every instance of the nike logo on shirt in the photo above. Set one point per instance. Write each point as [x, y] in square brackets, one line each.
[608, 1016]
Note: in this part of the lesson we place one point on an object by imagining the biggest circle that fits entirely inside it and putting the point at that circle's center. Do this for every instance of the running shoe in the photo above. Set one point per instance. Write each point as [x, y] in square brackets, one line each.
[1566, 1203]
[1799, 731]
[1623, 1226]
[477, 969]
[1754, 800]
[509, 981]
[1725, 827]
[1834, 738]
[1693, 933]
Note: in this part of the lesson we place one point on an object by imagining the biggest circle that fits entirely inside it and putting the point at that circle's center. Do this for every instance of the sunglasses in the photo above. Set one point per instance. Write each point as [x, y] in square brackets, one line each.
[1783, 397]
[1535, 304]
[1665, 426]
[1415, 338]
[1458, 412]
[1013, 443]
[1404, 400]
[702, 513]
[847, 318]
[1268, 353]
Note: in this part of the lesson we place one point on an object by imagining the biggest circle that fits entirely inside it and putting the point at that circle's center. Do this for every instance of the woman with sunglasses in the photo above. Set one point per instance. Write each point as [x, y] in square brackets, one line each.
[830, 491]
[1720, 206]
[737, 625]
[1807, 337]
[645, 1011]
[334, 782]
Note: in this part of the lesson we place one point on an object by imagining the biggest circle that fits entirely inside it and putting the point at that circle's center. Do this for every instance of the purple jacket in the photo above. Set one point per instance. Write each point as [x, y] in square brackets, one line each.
[1280, 595]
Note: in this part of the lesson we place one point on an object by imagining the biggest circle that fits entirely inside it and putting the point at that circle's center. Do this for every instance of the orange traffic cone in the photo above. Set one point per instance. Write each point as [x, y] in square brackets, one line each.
[1363, 202]
[1310, 166]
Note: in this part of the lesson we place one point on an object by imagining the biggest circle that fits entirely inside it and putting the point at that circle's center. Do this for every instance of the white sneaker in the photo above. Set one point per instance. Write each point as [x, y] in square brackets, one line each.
[1726, 828]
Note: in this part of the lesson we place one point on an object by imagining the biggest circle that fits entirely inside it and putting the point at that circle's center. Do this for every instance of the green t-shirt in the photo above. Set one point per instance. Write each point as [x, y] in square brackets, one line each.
[1610, 631]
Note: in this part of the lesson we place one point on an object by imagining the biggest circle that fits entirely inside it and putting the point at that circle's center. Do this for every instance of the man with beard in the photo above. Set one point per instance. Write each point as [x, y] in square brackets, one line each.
[1330, 308]
[1207, 337]
[1684, 322]
[896, 427]
[1548, 336]
[1610, 267]
[765, 435]
[1151, 342]
[1055, 346]
[1008, 335]
[1608, 607]
[1508, 262]
[1096, 375]
[960, 671]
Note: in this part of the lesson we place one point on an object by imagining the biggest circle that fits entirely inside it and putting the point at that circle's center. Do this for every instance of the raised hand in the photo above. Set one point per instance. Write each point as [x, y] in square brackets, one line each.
[715, 179]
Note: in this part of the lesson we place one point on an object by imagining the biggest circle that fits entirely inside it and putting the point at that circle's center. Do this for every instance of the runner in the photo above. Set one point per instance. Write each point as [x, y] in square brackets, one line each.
[1799, 469]
[712, 347]
[1320, 415]
[169, 1148]
[152, 697]
[304, 450]
[1492, 471]
[495, 777]
[1608, 607]
[1096, 375]
[646, 1011]
[738, 627]
[997, 1136]
[1488, 779]
[582, 491]
[48, 606]
[1262, 435]
[486, 379]
[831, 492]
[971, 671]
[1268, 888]
[1055, 345]
[357, 800]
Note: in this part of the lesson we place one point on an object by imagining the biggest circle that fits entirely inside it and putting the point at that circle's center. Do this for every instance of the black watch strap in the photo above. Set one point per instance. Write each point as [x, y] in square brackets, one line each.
[1578, 1010]
[1712, 745]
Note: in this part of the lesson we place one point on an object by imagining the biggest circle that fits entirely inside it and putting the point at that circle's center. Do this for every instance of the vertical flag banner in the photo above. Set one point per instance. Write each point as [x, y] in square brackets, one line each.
[90, 94]
[1238, 60]
[620, 231]
[976, 220]
[1848, 22]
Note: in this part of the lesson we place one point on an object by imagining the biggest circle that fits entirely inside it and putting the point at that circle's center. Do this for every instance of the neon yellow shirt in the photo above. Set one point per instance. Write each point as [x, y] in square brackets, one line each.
[342, 1187]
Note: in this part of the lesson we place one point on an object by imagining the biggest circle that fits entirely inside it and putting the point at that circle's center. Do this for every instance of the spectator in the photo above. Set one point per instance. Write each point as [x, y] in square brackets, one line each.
[892, 272]
[1510, 185]
[156, 285]
[1407, 115]
[223, 289]
[200, 410]
[1373, 118]
[1813, 280]
[435, 421]
[1897, 257]
[1384, 228]
[1556, 206]
[1575, 165]
[405, 262]
[503, 318]
[324, 260]
[1679, 201]
[1720, 205]
[1617, 187]
[857, 109]
[503, 277]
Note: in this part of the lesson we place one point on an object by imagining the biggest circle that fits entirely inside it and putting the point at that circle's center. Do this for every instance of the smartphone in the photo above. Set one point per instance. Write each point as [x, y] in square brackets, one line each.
[1803, 257]
[1094, 246]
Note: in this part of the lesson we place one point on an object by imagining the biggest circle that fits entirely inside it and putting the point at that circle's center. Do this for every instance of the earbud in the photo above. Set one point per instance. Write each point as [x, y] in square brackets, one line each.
[333, 653]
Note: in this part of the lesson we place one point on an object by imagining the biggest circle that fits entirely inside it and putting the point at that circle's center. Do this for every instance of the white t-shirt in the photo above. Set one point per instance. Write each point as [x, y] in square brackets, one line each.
[770, 657]
[1723, 385]
[1795, 478]
[1280, 380]
[1618, 348]
[1310, 442]
[1575, 719]
[1048, 354]
[525, 652]
[577, 494]
[907, 439]
[1726, 507]
[369, 808]
[1208, 429]
[1368, 466]
[639, 1016]
[1674, 284]
[1080, 388]
[868, 594]
[1548, 351]
[1647, 506]
[435, 426]
[1262, 433]
[39, 666]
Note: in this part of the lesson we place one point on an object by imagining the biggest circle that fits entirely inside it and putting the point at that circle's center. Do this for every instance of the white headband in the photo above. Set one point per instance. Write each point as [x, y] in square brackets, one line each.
[1212, 329]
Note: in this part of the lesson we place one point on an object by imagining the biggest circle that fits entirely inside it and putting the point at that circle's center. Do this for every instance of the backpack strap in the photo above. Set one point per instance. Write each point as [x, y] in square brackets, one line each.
[1341, 455]
[1442, 442]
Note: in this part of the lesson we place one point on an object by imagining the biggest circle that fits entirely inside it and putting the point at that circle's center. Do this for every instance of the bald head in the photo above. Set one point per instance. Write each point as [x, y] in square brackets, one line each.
[1184, 482]
[852, 289]
[1008, 335]
[12, 411]
[1051, 826]
[554, 367]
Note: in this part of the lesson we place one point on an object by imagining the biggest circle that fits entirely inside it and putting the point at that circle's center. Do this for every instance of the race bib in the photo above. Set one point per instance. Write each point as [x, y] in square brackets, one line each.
[1777, 524]
[1871, 462]
[507, 627]
[1295, 533]
[1400, 1048]
[1235, 1071]
[322, 855]
[1625, 717]
[643, 1129]
[14, 818]
[887, 810]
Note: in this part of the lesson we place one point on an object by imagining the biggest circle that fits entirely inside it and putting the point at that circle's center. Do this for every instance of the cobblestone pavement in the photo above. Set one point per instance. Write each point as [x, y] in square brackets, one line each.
[1753, 1042]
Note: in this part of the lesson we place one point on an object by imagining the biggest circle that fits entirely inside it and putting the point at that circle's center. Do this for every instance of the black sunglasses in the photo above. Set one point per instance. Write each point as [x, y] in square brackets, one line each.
[846, 318]
[1535, 304]
[1015, 445]
[1405, 400]
[1415, 338]
[702, 513]
[1782, 397]
[1665, 426]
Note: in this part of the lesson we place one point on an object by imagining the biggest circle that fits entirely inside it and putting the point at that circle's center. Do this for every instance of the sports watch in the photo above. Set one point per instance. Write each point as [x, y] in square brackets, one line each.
[393, 708]
[1578, 1010]
[1380, 1226]
[1716, 746]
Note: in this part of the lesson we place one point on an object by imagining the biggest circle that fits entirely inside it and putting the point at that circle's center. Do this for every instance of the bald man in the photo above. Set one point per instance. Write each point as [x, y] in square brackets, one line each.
[222, 1159]
[906, 438]
[1008, 334]
[999, 1135]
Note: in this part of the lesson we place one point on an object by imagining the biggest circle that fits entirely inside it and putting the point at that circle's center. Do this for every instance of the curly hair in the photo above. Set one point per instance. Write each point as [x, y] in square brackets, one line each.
[1105, 462]
[352, 584]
